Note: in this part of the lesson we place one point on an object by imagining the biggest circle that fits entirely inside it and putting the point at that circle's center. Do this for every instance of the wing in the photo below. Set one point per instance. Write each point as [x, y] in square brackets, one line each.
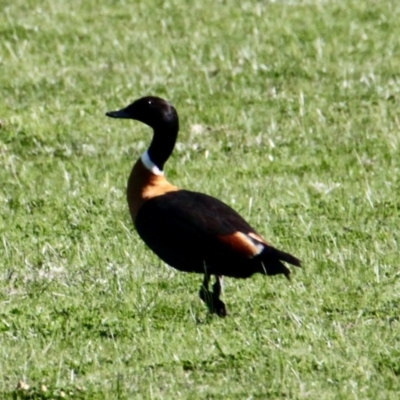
[190, 230]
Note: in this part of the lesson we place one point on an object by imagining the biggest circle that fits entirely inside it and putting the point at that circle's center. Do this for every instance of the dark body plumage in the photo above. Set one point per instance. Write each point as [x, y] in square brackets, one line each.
[189, 238]
[191, 231]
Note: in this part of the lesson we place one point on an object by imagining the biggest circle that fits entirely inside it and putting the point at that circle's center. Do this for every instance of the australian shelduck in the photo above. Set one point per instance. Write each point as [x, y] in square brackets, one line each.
[191, 231]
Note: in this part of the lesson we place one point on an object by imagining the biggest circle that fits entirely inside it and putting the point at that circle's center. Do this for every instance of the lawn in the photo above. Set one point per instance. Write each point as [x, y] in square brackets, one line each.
[289, 113]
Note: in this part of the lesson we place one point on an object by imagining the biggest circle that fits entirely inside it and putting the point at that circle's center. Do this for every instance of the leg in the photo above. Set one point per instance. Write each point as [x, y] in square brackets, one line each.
[218, 305]
[204, 293]
[218, 285]
[212, 300]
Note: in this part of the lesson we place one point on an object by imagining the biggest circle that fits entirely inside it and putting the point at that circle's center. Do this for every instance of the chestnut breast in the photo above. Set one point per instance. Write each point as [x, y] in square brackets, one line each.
[143, 185]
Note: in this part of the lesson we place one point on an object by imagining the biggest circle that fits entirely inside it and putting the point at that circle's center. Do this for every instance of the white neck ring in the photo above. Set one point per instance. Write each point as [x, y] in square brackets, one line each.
[146, 160]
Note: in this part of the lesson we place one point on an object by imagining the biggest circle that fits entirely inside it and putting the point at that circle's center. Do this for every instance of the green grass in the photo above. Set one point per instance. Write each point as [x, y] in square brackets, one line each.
[289, 112]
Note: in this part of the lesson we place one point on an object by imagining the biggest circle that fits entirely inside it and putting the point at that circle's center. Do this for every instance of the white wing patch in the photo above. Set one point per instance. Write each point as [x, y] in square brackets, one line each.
[259, 246]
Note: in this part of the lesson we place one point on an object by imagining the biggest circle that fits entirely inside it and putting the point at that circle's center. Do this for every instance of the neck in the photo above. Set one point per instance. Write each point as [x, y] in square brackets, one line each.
[163, 144]
[148, 163]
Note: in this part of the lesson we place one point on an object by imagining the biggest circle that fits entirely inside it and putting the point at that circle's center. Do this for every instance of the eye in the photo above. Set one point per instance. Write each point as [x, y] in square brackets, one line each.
[149, 102]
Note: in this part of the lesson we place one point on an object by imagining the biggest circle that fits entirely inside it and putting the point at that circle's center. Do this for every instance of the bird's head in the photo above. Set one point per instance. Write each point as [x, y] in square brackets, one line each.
[152, 111]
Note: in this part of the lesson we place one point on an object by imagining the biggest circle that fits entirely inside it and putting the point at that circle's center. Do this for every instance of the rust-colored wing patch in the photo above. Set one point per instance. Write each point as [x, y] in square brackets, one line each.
[143, 185]
[242, 244]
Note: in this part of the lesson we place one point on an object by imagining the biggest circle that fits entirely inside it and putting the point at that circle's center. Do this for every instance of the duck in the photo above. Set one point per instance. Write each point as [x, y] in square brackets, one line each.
[191, 231]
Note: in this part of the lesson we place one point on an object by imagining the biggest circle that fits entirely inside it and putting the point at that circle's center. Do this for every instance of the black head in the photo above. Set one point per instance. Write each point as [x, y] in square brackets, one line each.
[152, 111]
[159, 115]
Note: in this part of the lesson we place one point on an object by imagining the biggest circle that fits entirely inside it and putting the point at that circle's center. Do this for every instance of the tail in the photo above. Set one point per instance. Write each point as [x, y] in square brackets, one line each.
[281, 255]
[271, 259]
